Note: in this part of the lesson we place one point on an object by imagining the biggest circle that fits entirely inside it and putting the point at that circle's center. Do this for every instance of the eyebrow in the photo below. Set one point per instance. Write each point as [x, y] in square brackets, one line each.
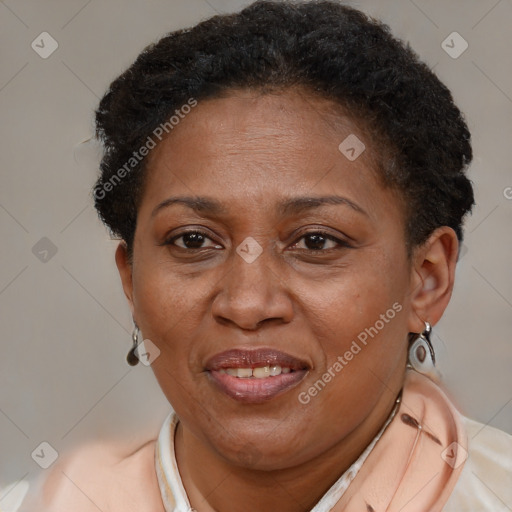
[300, 204]
[288, 207]
[199, 204]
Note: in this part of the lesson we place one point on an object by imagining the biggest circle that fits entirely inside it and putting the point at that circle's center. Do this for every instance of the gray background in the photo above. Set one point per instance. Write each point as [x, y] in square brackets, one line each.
[65, 327]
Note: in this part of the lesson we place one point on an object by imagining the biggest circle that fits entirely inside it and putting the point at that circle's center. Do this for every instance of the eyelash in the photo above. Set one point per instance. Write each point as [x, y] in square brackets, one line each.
[342, 243]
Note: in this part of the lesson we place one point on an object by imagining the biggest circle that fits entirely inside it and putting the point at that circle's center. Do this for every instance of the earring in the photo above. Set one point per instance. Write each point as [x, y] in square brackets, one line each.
[422, 357]
[132, 358]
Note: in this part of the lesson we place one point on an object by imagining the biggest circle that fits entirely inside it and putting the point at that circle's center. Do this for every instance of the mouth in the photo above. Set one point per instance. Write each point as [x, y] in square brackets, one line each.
[255, 376]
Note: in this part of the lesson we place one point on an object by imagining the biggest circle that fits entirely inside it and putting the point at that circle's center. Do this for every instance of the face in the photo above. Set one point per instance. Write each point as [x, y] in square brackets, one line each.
[278, 292]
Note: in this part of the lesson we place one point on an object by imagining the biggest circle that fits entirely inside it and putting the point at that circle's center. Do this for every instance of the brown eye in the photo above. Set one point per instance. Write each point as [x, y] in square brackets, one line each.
[319, 241]
[191, 240]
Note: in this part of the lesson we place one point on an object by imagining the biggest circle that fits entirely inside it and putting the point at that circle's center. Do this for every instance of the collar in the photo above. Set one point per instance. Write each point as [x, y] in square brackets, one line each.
[422, 423]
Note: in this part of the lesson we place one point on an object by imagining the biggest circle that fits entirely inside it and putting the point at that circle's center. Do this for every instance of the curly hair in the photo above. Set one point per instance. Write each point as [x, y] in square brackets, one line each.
[335, 52]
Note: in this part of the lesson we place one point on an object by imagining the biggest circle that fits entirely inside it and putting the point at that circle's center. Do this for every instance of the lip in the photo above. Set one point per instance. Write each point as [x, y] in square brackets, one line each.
[253, 358]
[253, 390]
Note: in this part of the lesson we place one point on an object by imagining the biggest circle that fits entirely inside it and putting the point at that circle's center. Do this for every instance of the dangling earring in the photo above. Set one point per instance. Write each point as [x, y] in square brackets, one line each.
[132, 358]
[421, 352]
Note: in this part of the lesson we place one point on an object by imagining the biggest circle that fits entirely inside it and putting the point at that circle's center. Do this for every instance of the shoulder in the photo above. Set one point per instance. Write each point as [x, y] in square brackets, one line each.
[485, 483]
[105, 477]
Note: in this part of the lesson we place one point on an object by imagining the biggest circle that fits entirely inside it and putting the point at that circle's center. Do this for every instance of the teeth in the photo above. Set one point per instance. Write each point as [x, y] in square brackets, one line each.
[275, 370]
[261, 373]
[258, 373]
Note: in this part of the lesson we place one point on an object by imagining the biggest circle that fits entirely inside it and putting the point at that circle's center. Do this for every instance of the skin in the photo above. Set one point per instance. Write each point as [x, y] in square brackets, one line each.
[251, 151]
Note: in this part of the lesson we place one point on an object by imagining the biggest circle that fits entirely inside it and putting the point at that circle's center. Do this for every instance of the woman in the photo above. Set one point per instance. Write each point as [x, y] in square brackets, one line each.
[288, 187]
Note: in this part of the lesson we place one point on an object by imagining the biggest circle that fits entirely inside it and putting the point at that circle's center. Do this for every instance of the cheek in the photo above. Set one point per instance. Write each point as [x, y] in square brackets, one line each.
[162, 299]
[169, 313]
[364, 297]
[360, 328]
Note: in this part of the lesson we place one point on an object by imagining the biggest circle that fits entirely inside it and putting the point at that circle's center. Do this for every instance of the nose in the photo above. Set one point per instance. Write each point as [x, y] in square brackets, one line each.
[252, 294]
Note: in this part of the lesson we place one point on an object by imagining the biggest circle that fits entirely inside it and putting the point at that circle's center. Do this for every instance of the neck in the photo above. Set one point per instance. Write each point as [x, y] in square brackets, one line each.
[215, 485]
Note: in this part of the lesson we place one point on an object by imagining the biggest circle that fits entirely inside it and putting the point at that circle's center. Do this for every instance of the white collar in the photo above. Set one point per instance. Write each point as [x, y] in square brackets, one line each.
[173, 493]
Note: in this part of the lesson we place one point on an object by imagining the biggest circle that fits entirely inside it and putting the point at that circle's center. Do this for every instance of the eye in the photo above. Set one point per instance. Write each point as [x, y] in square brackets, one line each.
[192, 240]
[312, 242]
[319, 241]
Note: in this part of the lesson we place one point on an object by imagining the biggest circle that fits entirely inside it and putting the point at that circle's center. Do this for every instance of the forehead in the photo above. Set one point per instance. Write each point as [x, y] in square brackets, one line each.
[249, 145]
[288, 119]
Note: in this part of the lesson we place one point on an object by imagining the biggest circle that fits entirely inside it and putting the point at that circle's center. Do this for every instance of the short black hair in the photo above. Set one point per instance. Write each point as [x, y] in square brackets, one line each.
[332, 50]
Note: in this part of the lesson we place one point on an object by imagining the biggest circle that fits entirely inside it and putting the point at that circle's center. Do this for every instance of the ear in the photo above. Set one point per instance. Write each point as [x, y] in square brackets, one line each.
[124, 266]
[433, 276]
